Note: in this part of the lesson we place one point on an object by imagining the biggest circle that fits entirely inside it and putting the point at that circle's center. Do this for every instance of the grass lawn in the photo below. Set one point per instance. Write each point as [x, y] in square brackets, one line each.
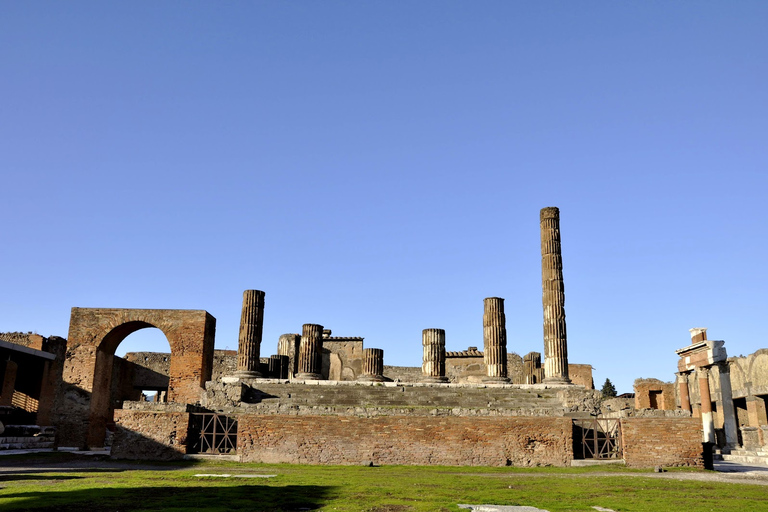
[174, 486]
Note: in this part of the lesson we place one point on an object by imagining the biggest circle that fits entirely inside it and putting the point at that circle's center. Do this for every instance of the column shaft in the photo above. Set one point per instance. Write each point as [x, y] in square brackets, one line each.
[373, 365]
[433, 365]
[494, 340]
[707, 420]
[553, 299]
[311, 352]
[685, 396]
[730, 426]
[251, 326]
[288, 345]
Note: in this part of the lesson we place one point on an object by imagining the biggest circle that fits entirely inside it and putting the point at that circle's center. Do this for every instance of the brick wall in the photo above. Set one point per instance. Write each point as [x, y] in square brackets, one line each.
[650, 442]
[581, 375]
[150, 435]
[654, 394]
[452, 441]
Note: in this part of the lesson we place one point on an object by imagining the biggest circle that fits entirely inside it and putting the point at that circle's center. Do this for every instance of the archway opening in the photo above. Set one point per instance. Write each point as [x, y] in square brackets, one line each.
[132, 364]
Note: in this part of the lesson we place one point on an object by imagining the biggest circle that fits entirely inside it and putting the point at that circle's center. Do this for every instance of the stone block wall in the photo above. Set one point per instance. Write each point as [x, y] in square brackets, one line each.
[451, 441]
[650, 442]
[150, 435]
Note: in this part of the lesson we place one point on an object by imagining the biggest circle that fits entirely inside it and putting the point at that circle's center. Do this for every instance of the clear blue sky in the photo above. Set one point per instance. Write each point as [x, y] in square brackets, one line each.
[378, 168]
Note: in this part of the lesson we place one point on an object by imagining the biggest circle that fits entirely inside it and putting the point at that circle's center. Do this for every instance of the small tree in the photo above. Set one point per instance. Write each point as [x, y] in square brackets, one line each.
[609, 390]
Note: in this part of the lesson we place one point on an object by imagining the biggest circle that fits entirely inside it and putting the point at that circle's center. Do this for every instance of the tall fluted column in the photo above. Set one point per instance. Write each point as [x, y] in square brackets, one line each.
[553, 299]
[433, 365]
[251, 326]
[311, 352]
[373, 365]
[494, 340]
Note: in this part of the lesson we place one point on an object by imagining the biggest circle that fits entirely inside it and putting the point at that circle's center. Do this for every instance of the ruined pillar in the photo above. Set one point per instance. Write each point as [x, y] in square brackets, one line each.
[278, 367]
[494, 340]
[288, 345]
[553, 299]
[251, 326]
[534, 373]
[685, 396]
[311, 352]
[433, 365]
[373, 365]
[730, 425]
[707, 420]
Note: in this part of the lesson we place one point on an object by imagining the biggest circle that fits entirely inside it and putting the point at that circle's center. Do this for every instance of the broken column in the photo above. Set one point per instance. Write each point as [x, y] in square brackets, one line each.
[534, 373]
[311, 352]
[433, 365]
[278, 367]
[553, 299]
[288, 345]
[373, 365]
[494, 340]
[251, 327]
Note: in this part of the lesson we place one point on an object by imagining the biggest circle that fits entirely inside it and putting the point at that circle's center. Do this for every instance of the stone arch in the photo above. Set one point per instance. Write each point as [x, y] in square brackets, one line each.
[94, 335]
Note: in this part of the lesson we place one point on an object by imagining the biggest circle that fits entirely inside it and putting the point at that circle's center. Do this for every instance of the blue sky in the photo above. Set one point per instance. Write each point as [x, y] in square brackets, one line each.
[379, 167]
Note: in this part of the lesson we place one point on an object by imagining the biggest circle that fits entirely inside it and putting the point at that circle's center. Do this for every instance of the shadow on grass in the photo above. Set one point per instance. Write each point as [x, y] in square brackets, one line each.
[38, 476]
[243, 497]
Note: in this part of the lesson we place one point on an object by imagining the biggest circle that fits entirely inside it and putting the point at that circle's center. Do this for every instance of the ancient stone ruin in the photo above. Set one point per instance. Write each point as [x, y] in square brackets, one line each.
[321, 399]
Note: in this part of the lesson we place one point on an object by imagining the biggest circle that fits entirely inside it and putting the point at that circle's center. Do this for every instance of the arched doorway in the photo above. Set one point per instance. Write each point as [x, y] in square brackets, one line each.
[83, 401]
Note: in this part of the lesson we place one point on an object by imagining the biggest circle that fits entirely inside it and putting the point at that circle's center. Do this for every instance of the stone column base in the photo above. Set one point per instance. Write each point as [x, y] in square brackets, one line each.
[245, 374]
[371, 378]
[556, 380]
[309, 376]
[435, 380]
[495, 380]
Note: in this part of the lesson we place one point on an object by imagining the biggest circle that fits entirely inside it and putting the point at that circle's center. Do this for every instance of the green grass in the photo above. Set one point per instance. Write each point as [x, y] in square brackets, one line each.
[173, 487]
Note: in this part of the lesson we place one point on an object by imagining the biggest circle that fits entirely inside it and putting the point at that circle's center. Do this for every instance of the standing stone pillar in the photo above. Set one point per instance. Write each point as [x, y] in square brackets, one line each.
[707, 420]
[311, 352]
[278, 367]
[288, 345]
[433, 365]
[553, 299]
[251, 326]
[494, 340]
[730, 426]
[373, 365]
[685, 396]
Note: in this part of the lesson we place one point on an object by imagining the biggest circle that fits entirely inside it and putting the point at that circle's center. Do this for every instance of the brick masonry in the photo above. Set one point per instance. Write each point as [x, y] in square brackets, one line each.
[451, 441]
[650, 442]
[143, 435]
[82, 407]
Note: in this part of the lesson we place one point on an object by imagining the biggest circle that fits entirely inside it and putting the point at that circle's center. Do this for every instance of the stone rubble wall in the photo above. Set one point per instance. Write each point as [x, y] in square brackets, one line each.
[376, 399]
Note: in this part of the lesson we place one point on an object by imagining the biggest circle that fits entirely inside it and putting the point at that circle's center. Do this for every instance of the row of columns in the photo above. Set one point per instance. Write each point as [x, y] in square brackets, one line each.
[700, 361]
[433, 340]
[310, 348]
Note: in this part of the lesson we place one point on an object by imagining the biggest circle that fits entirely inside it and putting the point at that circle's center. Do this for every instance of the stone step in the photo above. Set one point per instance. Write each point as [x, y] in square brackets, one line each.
[745, 459]
[25, 445]
[749, 453]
